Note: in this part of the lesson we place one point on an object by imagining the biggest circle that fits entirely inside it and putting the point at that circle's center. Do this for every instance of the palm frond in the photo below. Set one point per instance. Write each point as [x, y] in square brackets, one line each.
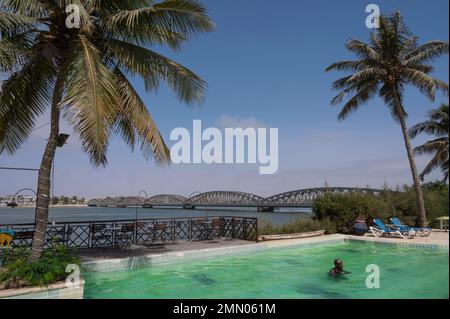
[428, 127]
[11, 22]
[426, 52]
[437, 125]
[15, 52]
[425, 83]
[134, 116]
[393, 98]
[31, 8]
[91, 100]
[149, 35]
[113, 6]
[440, 159]
[361, 97]
[431, 147]
[346, 66]
[363, 50]
[153, 67]
[367, 74]
[24, 96]
[441, 85]
[347, 88]
[440, 115]
[184, 17]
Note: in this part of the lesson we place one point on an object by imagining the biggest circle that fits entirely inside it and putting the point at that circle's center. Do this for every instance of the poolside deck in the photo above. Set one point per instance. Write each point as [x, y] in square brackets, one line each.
[436, 237]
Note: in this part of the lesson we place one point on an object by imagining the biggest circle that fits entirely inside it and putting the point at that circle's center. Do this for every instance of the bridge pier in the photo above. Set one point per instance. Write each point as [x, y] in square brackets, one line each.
[186, 206]
[266, 209]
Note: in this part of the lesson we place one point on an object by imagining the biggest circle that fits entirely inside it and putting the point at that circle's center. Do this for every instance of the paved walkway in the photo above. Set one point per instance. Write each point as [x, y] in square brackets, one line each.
[436, 237]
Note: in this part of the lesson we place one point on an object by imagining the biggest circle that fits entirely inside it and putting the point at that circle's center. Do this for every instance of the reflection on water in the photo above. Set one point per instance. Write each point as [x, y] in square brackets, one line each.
[204, 279]
[67, 214]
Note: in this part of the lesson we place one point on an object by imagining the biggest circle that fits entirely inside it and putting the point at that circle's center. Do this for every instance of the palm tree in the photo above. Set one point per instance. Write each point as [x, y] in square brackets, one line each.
[385, 66]
[81, 72]
[437, 125]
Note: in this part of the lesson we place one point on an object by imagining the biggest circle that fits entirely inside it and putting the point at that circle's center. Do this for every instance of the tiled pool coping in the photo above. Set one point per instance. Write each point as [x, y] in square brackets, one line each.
[428, 245]
[54, 291]
[190, 255]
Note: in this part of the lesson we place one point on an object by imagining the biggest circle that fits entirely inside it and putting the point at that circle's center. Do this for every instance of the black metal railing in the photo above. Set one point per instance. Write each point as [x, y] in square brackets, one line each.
[94, 234]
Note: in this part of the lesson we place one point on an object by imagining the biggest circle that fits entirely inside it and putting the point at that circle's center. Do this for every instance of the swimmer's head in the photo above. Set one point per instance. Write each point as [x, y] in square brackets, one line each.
[338, 263]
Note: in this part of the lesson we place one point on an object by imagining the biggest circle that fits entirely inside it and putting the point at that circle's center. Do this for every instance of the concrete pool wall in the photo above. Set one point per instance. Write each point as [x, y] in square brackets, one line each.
[54, 291]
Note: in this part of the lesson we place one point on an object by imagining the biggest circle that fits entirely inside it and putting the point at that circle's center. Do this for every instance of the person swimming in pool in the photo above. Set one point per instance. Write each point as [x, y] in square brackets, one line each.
[338, 268]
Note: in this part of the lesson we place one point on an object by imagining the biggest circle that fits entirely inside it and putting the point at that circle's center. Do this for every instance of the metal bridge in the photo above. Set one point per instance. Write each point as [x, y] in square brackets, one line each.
[297, 198]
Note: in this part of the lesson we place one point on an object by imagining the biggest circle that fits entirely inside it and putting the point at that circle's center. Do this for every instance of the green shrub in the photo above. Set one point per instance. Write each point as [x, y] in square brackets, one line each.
[19, 271]
[299, 226]
[337, 212]
[344, 209]
[405, 205]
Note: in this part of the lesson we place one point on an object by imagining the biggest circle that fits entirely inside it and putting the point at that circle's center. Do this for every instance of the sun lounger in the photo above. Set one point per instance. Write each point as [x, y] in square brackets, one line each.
[382, 230]
[396, 224]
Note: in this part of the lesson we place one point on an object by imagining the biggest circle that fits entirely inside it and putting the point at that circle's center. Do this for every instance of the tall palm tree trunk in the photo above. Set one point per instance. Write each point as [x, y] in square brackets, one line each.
[412, 164]
[43, 186]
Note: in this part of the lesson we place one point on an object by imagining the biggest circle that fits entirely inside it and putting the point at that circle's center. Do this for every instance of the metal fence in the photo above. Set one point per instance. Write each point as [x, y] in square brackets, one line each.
[94, 234]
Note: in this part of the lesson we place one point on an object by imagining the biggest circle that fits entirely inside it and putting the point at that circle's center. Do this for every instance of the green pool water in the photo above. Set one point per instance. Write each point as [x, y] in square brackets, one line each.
[300, 272]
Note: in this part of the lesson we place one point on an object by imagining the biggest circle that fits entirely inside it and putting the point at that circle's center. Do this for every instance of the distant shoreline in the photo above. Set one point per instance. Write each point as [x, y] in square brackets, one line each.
[50, 206]
[69, 205]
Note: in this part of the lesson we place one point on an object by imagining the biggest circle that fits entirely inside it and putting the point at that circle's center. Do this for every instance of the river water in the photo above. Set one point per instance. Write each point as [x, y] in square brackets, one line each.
[71, 214]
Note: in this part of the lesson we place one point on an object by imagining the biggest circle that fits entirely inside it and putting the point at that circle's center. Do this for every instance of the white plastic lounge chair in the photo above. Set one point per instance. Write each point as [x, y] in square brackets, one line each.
[397, 224]
[382, 230]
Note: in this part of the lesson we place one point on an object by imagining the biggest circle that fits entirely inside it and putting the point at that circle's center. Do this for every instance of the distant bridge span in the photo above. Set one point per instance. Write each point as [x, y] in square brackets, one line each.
[226, 198]
[298, 198]
[166, 200]
[305, 197]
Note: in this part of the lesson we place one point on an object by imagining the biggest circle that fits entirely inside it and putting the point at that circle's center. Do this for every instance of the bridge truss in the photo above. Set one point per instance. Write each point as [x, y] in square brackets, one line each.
[296, 198]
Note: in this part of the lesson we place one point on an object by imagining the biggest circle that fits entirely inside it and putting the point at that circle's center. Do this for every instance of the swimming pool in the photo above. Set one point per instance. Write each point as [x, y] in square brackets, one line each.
[295, 272]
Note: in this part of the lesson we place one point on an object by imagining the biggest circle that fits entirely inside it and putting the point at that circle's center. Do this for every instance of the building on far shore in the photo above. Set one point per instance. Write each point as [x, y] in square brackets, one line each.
[24, 200]
[20, 200]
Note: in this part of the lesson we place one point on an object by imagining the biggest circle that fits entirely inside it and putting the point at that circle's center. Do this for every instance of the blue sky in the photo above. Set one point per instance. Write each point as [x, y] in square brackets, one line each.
[264, 65]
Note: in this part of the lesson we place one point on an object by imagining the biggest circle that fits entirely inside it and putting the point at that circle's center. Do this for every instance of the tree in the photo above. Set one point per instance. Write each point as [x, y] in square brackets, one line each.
[436, 125]
[55, 200]
[385, 66]
[81, 72]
